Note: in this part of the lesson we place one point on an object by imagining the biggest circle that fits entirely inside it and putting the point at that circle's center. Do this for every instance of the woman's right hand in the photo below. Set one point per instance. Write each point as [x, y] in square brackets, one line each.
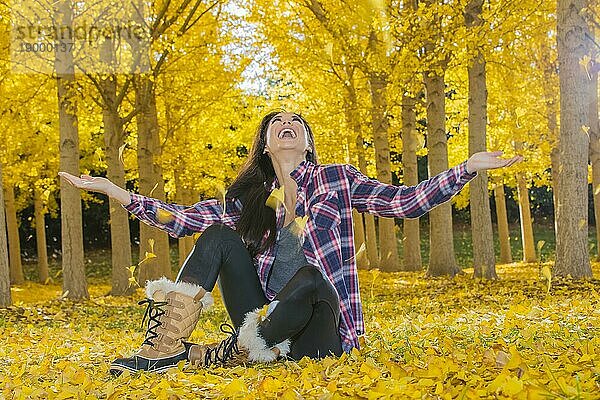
[86, 182]
[98, 184]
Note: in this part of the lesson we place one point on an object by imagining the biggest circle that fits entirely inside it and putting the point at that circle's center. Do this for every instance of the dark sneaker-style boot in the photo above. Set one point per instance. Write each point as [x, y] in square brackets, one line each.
[173, 309]
[242, 346]
[225, 353]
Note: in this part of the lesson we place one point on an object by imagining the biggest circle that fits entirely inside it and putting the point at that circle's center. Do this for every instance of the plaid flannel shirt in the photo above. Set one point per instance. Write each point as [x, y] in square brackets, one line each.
[327, 194]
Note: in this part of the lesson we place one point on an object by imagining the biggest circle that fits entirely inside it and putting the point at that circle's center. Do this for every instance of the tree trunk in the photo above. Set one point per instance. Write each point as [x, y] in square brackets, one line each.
[372, 258]
[594, 132]
[151, 182]
[388, 247]
[40, 236]
[442, 260]
[555, 166]
[73, 267]
[550, 99]
[571, 239]
[5, 297]
[358, 223]
[503, 233]
[572, 256]
[411, 240]
[119, 217]
[526, 223]
[353, 121]
[14, 242]
[484, 261]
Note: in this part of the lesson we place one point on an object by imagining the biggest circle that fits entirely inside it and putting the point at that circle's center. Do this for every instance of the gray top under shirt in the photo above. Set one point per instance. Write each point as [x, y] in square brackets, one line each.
[289, 258]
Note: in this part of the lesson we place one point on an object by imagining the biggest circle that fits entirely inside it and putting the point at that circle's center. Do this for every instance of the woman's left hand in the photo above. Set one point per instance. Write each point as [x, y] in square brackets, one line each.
[489, 160]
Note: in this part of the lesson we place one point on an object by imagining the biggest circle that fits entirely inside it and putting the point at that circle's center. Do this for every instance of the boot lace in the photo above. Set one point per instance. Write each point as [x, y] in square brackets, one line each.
[224, 350]
[154, 310]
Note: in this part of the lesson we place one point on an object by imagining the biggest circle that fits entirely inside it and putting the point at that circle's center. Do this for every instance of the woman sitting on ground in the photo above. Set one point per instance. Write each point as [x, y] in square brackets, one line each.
[286, 270]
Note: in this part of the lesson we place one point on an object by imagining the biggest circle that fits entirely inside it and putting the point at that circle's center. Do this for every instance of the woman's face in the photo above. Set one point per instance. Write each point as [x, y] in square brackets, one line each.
[286, 134]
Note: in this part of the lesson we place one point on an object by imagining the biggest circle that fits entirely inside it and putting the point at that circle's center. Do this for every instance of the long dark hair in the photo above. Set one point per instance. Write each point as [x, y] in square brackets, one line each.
[252, 186]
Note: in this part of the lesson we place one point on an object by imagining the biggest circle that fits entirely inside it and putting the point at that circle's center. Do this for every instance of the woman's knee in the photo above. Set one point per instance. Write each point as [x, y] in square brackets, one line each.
[312, 281]
[307, 277]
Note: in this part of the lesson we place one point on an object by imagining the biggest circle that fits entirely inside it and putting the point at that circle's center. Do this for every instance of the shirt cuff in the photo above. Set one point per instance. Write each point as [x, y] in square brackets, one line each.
[463, 173]
[136, 200]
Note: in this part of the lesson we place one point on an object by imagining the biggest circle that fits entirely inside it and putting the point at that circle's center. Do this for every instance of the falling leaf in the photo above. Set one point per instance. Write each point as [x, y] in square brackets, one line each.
[585, 62]
[546, 273]
[163, 216]
[98, 153]
[131, 269]
[149, 254]
[276, 198]
[45, 195]
[222, 192]
[262, 313]
[582, 223]
[121, 149]
[586, 130]
[540, 244]
[597, 190]
[299, 224]
[374, 274]
[153, 189]
[151, 245]
[360, 251]
[65, 294]
[132, 282]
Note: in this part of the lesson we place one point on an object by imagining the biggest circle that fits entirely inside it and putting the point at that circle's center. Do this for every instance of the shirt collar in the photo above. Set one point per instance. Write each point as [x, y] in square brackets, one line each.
[299, 174]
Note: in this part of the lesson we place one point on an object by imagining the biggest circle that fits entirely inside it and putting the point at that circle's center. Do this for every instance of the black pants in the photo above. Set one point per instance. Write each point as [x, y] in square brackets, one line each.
[308, 311]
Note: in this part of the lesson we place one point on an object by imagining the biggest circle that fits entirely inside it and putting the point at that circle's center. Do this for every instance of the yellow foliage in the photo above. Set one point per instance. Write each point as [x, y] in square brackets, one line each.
[426, 338]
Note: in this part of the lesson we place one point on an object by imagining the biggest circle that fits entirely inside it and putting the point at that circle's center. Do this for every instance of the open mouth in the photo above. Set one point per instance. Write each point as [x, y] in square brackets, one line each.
[287, 133]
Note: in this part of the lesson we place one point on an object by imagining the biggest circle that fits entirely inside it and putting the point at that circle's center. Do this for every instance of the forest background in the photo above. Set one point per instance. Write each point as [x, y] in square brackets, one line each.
[401, 89]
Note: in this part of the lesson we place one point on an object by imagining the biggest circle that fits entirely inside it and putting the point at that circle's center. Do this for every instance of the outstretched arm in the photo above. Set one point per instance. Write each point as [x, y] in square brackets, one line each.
[177, 220]
[384, 200]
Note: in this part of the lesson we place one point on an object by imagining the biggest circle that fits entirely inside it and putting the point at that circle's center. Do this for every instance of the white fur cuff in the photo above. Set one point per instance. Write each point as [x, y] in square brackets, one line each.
[185, 288]
[249, 339]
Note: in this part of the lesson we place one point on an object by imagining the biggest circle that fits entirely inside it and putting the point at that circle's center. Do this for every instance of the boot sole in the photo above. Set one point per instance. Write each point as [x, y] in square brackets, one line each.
[146, 364]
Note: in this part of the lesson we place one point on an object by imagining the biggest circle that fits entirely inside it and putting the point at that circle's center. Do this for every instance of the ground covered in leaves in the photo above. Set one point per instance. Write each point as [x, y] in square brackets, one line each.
[426, 338]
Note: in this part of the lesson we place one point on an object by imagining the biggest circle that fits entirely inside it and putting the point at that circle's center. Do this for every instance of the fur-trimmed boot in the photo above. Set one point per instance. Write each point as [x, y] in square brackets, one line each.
[250, 339]
[173, 309]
